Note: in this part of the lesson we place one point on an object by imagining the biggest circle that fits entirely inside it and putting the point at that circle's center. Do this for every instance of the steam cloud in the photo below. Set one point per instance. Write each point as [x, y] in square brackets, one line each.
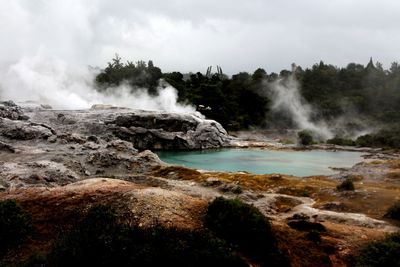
[63, 86]
[286, 97]
[46, 44]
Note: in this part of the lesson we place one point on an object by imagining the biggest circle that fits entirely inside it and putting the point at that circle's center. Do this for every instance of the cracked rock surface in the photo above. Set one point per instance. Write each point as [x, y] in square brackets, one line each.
[41, 146]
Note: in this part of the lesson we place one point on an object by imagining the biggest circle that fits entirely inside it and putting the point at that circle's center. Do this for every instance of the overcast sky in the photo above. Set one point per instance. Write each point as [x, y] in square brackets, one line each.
[189, 35]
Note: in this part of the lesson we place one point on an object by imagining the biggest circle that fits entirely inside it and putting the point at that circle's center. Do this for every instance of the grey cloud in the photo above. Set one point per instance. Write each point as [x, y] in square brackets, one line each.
[189, 35]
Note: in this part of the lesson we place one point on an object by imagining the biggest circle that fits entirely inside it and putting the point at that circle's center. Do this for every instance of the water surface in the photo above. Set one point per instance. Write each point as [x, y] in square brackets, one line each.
[299, 163]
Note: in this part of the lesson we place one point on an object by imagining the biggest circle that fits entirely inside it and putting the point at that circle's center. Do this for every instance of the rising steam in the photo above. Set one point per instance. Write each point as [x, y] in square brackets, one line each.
[286, 97]
[54, 82]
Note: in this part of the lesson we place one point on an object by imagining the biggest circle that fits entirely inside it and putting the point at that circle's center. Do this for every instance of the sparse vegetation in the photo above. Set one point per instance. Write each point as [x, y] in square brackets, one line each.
[394, 211]
[287, 141]
[15, 224]
[381, 253]
[305, 193]
[100, 241]
[341, 141]
[245, 227]
[346, 185]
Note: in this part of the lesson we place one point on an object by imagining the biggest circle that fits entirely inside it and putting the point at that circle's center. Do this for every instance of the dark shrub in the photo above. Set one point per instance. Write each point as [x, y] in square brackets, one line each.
[388, 138]
[346, 185]
[305, 137]
[341, 141]
[15, 223]
[394, 211]
[303, 225]
[245, 227]
[100, 241]
[381, 253]
[365, 141]
[36, 259]
[314, 235]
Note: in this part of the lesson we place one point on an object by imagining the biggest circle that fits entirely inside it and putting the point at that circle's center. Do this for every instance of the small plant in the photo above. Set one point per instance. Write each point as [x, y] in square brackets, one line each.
[286, 141]
[305, 193]
[394, 211]
[15, 223]
[381, 253]
[237, 190]
[346, 185]
[305, 138]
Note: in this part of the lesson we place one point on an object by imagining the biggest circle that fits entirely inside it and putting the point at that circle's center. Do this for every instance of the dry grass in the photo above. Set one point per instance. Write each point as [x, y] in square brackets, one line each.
[285, 184]
[394, 164]
[301, 250]
[339, 246]
[376, 162]
[370, 198]
[393, 174]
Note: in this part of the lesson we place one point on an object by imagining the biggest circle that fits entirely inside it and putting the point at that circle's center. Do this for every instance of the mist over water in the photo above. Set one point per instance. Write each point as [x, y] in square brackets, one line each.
[286, 97]
[64, 86]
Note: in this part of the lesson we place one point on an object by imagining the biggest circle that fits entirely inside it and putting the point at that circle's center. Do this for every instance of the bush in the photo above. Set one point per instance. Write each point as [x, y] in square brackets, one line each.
[394, 211]
[246, 228]
[15, 223]
[314, 235]
[341, 141]
[305, 137]
[304, 225]
[365, 141]
[387, 138]
[100, 241]
[381, 253]
[36, 259]
[346, 185]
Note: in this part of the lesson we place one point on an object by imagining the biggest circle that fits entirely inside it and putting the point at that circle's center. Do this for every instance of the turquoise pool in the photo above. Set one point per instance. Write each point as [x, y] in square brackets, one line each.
[259, 161]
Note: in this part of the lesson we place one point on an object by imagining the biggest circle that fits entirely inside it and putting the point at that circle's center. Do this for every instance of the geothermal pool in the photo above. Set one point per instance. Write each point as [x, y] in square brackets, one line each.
[299, 163]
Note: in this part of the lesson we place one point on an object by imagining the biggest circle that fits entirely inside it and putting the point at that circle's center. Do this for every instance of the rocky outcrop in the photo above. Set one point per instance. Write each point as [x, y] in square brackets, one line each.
[144, 129]
[40, 146]
[169, 131]
[23, 130]
[10, 110]
[14, 124]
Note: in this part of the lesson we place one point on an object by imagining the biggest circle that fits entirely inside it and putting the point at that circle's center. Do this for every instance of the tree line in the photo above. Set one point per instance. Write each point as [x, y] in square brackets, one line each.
[356, 92]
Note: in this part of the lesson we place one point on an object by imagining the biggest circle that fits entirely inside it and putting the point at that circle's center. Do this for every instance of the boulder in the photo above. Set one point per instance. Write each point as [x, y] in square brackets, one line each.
[9, 110]
[7, 147]
[169, 131]
[22, 130]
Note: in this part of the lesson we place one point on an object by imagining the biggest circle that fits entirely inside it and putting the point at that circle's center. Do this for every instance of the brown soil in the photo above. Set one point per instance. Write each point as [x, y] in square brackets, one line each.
[56, 210]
